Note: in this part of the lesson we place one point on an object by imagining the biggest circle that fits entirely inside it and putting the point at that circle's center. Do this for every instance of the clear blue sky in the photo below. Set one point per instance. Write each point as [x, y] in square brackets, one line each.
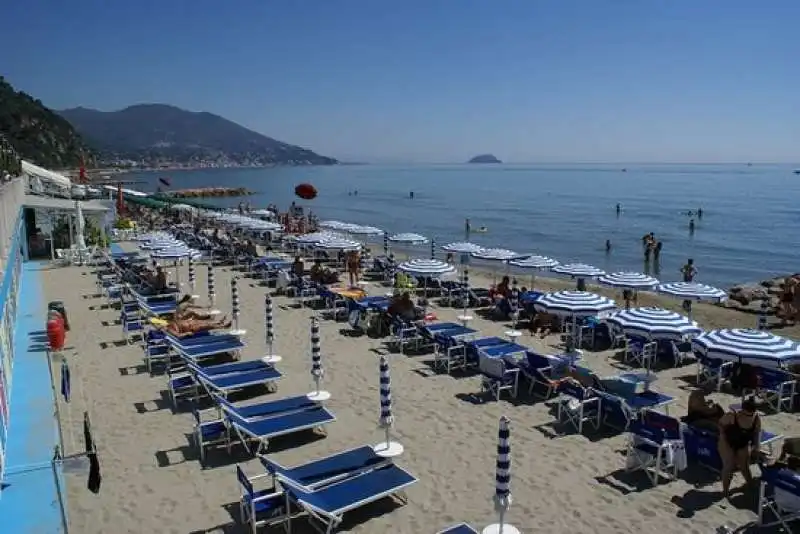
[437, 80]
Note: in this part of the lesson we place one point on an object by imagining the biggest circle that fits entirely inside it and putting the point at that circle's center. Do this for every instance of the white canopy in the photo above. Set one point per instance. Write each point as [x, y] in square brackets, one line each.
[45, 175]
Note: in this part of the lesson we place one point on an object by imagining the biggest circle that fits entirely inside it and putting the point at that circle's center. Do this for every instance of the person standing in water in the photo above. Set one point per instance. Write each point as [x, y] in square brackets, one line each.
[411, 194]
[467, 229]
[619, 209]
[699, 213]
[691, 226]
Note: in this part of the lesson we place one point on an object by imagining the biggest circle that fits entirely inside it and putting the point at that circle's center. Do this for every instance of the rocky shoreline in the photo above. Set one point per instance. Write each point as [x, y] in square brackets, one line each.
[750, 298]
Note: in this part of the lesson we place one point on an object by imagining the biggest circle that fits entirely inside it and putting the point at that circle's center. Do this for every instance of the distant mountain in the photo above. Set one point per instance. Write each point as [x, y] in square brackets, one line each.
[484, 158]
[36, 133]
[160, 135]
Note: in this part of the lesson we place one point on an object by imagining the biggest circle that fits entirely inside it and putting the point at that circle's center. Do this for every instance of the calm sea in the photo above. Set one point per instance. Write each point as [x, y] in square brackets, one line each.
[748, 231]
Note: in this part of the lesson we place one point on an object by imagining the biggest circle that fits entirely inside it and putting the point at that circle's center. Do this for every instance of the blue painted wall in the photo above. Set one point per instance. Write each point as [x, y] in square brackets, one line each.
[29, 502]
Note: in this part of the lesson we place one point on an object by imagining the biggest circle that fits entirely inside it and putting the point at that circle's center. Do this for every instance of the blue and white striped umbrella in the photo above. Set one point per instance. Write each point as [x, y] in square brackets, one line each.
[316, 355]
[316, 237]
[212, 291]
[534, 262]
[692, 291]
[465, 288]
[579, 270]
[654, 323]
[502, 491]
[628, 280]
[514, 301]
[386, 244]
[338, 244]
[365, 231]
[433, 248]
[270, 332]
[386, 419]
[462, 247]
[409, 239]
[574, 303]
[235, 302]
[426, 268]
[495, 254]
[754, 347]
[192, 274]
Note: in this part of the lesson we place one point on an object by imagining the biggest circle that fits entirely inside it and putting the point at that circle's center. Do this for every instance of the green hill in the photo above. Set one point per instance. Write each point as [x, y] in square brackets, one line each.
[159, 134]
[36, 133]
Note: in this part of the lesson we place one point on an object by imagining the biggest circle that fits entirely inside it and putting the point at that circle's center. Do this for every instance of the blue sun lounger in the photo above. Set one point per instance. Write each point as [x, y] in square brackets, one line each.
[328, 504]
[269, 408]
[328, 469]
[461, 528]
[209, 347]
[280, 423]
[224, 383]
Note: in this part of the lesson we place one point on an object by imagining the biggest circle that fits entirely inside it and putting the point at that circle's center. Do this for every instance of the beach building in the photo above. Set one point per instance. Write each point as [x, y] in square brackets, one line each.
[33, 201]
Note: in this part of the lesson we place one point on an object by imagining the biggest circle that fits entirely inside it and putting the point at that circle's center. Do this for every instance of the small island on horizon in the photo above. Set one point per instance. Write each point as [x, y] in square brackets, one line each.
[484, 158]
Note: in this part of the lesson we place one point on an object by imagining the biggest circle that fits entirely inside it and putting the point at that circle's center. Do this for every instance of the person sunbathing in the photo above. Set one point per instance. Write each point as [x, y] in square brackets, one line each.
[702, 412]
[186, 309]
[190, 327]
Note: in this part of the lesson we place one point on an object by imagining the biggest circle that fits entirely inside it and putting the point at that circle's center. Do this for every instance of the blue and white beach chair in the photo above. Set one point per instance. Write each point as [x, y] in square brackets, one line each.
[578, 405]
[259, 508]
[497, 376]
[655, 446]
[779, 494]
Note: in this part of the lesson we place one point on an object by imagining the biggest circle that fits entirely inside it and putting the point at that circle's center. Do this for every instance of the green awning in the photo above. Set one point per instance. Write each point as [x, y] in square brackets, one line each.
[147, 202]
[193, 202]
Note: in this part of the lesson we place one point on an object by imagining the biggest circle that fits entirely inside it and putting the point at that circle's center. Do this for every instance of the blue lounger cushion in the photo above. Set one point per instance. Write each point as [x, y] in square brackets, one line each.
[486, 342]
[436, 327]
[202, 338]
[498, 351]
[461, 528]
[240, 380]
[341, 497]
[235, 367]
[211, 349]
[648, 399]
[449, 333]
[330, 467]
[279, 425]
[270, 408]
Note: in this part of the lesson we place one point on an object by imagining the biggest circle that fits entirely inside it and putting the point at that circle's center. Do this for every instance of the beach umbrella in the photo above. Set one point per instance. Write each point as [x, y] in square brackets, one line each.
[316, 237]
[365, 231]
[235, 303]
[338, 244]
[80, 228]
[408, 239]
[692, 291]
[332, 225]
[654, 323]
[465, 293]
[514, 303]
[628, 280]
[386, 244]
[754, 347]
[317, 372]
[192, 274]
[462, 247]
[388, 448]
[212, 291]
[574, 303]
[271, 357]
[534, 263]
[495, 254]
[502, 491]
[433, 248]
[579, 271]
[426, 268]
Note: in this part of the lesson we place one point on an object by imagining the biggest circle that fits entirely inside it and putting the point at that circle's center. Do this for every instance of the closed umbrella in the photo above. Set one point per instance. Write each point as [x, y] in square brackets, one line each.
[502, 492]
[271, 357]
[388, 448]
[317, 371]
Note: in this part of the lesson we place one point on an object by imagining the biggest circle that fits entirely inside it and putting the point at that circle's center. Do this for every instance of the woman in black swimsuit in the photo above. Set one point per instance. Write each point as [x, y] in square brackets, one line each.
[739, 438]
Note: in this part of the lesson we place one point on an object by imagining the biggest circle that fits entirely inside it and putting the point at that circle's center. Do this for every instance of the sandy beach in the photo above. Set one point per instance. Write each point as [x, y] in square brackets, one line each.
[153, 482]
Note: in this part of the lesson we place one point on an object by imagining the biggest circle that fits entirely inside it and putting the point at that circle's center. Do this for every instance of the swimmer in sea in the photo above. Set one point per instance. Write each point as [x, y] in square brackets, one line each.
[608, 245]
[411, 194]
[691, 226]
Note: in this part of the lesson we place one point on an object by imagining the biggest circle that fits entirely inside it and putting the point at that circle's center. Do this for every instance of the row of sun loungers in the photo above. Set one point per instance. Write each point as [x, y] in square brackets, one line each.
[321, 491]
